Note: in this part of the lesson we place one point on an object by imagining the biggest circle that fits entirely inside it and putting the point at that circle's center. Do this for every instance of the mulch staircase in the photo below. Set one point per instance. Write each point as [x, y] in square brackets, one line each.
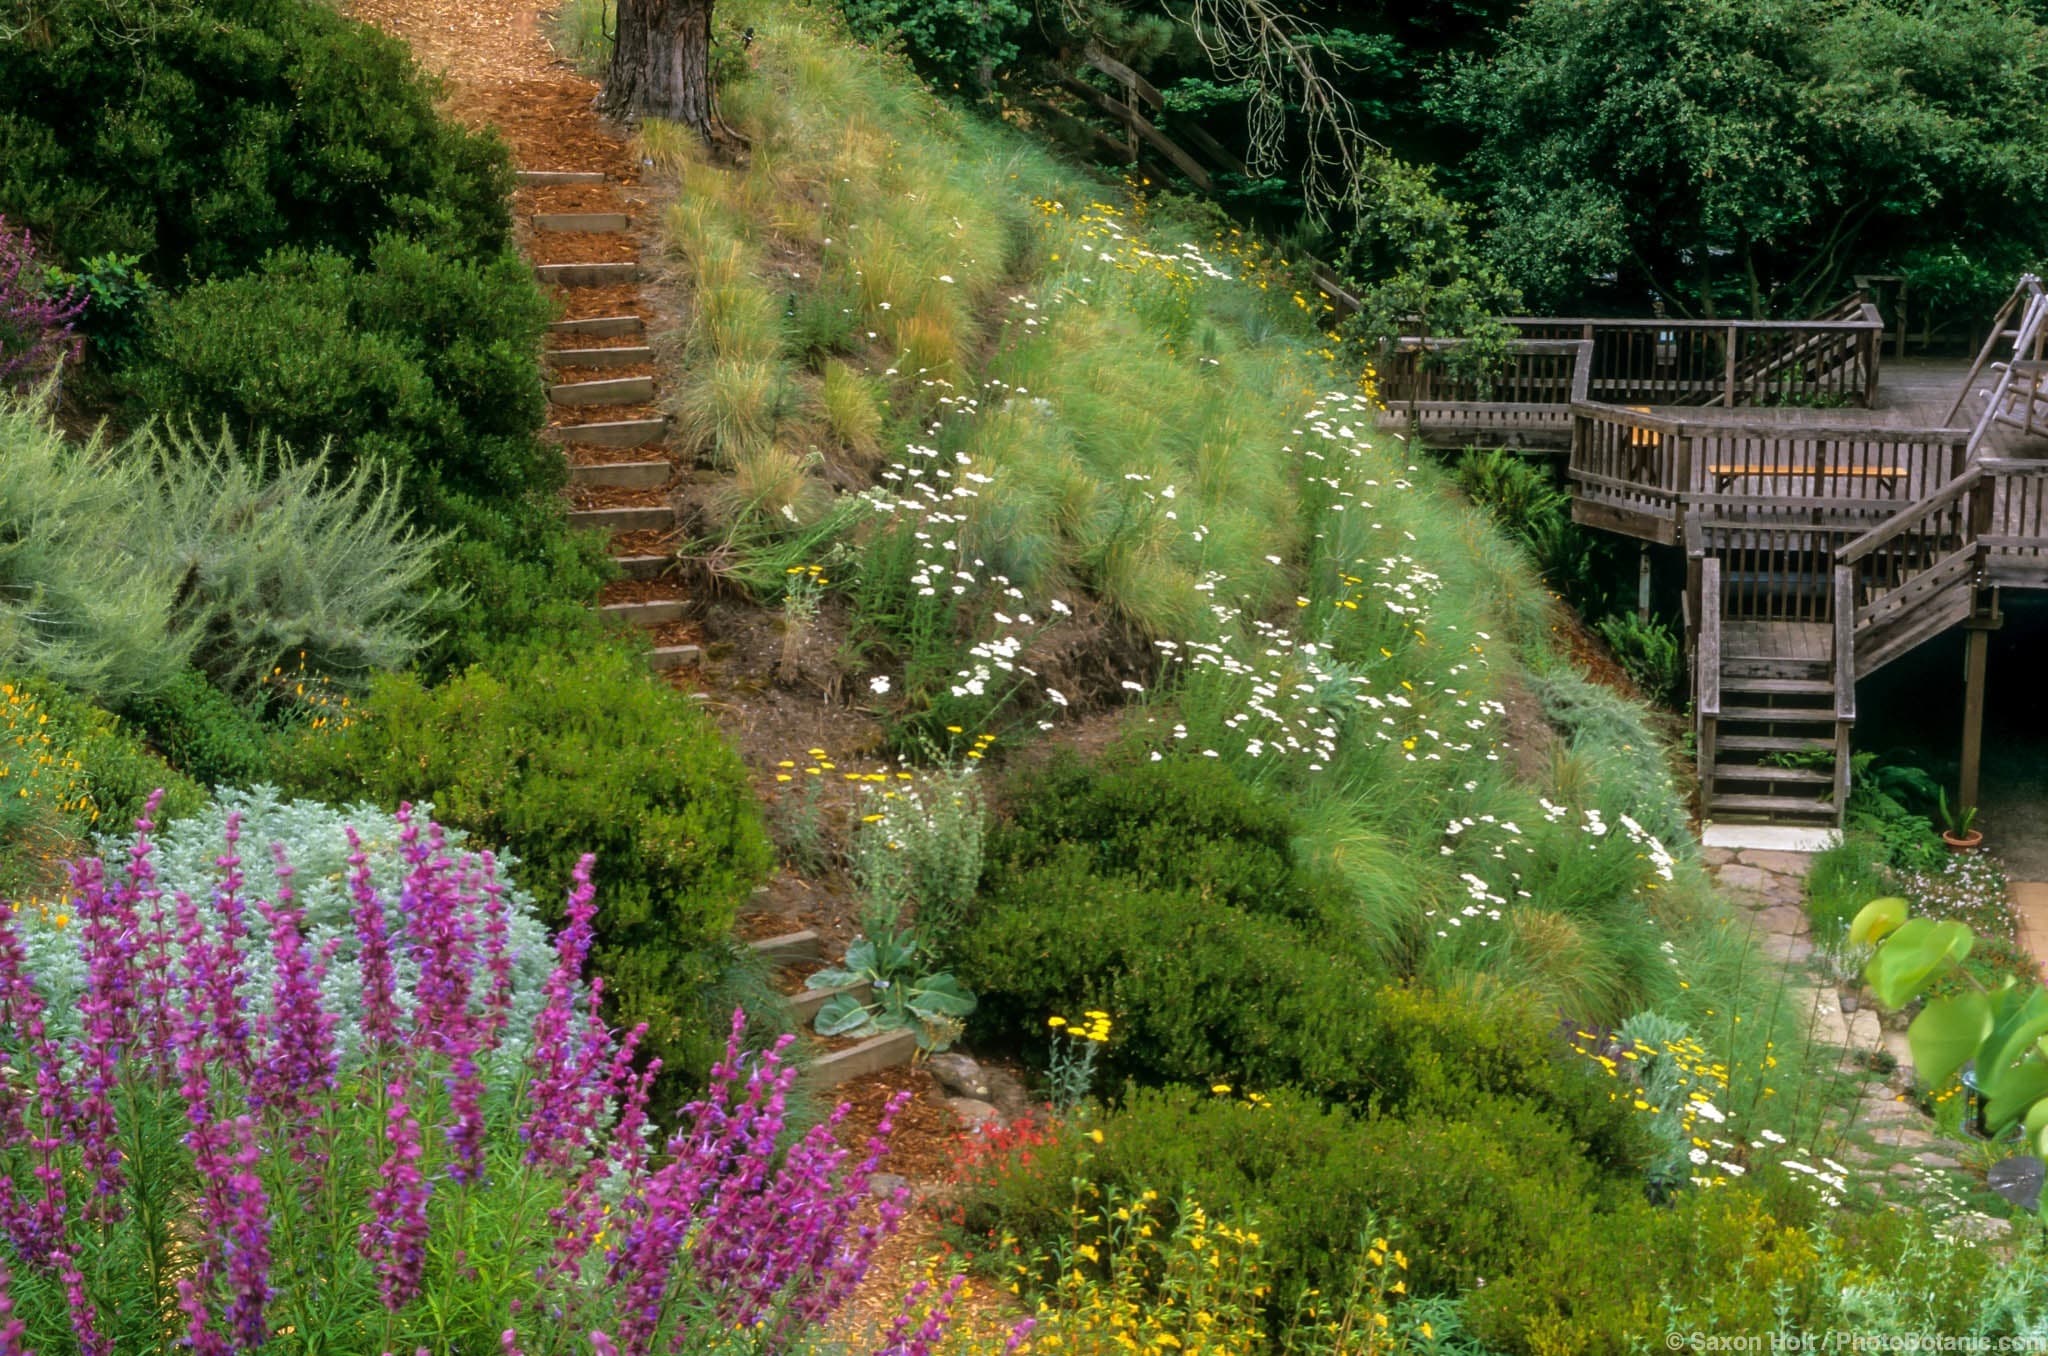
[605, 410]
[605, 394]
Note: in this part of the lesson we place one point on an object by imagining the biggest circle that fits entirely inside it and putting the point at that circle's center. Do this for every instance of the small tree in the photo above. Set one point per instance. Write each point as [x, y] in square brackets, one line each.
[661, 66]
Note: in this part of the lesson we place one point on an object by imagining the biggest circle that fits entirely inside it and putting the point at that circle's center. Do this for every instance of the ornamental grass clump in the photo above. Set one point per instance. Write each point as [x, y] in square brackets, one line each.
[192, 1156]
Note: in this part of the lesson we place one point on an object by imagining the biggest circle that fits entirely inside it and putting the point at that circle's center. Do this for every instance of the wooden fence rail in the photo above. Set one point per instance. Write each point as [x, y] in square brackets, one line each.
[1832, 360]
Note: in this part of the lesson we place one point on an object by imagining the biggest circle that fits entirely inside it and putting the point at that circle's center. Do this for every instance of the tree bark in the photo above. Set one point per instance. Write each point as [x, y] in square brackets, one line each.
[661, 65]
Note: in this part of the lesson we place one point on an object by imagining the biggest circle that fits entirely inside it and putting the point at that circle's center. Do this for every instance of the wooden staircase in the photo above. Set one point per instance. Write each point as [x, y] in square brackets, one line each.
[1774, 709]
[604, 397]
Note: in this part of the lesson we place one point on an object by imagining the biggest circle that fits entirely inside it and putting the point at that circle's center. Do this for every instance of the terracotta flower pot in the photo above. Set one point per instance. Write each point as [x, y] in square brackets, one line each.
[1962, 842]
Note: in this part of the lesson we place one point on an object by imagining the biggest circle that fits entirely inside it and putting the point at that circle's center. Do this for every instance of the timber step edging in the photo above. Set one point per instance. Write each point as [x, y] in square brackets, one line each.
[528, 178]
[603, 391]
[624, 355]
[628, 519]
[586, 275]
[641, 567]
[611, 433]
[590, 223]
[652, 612]
[600, 326]
[623, 475]
[790, 948]
[663, 658]
[872, 1055]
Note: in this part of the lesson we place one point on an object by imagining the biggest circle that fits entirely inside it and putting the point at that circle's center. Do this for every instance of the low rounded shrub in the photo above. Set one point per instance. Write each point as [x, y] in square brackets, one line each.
[550, 753]
[224, 129]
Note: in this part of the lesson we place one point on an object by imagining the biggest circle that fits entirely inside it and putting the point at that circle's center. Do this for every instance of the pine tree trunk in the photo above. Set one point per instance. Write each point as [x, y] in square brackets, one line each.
[661, 64]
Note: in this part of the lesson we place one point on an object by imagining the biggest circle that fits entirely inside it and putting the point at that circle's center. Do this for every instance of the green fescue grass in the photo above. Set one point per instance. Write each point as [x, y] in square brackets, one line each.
[1068, 394]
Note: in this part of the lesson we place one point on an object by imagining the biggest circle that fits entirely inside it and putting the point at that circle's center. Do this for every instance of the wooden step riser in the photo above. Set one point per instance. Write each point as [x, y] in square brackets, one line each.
[623, 519]
[556, 178]
[586, 275]
[653, 613]
[625, 355]
[664, 658]
[600, 326]
[890, 1050]
[623, 475]
[611, 433]
[607, 391]
[588, 223]
[641, 567]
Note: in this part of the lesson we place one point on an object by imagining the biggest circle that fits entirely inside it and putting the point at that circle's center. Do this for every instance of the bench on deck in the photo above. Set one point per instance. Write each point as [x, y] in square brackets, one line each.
[1725, 475]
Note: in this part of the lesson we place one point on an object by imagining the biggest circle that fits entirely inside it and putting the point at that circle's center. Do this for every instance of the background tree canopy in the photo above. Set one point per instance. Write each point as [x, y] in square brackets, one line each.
[1729, 157]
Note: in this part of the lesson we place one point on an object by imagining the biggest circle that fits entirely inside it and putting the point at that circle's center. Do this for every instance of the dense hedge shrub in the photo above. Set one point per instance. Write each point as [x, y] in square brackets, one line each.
[201, 136]
[1467, 1196]
[1184, 823]
[550, 753]
[1167, 894]
[417, 361]
[203, 732]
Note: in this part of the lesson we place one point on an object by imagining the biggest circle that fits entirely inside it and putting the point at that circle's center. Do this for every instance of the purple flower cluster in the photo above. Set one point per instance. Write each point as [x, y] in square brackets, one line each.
[35, 325]
[294, 1153]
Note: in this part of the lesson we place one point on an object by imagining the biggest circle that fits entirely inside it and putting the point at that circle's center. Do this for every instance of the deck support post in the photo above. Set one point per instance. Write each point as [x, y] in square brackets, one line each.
[1977, 650]
[1643, 582]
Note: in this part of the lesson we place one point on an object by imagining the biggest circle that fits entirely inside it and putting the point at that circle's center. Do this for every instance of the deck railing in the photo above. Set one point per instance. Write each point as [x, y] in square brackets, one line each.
[1831, 360]
[1527, 403]
[1639, 472]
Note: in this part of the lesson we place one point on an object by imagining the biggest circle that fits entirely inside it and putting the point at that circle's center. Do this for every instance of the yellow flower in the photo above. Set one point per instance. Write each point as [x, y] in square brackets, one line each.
[1095, 1135]
[1055, 1022]
[1220, 1088]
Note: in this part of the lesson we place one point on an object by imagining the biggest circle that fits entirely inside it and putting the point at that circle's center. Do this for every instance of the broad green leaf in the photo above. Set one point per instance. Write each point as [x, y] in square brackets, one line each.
[1876, 920]
[2037, 1118]
[861, 957]
[844, 1015]
[832, 979]
[2018, 1022]
[942, 995]
[1946, 1034]
[1912, 956]
[2008, 1096]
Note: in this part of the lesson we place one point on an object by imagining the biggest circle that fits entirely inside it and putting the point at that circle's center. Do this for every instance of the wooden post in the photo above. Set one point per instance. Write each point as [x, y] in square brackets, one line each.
[1728, 380]
[1976, 654]
[1643, 582]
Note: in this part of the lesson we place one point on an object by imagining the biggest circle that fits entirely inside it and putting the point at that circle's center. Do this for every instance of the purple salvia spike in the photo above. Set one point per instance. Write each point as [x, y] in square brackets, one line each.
[11, 1328]
[395, 1241]
[373, 938]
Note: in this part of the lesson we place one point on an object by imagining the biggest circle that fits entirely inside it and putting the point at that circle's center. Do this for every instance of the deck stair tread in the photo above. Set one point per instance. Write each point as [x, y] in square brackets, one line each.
[1765, 772]
[1770, 744]
[1779, 715]
[1782, 687]
[1809, 807]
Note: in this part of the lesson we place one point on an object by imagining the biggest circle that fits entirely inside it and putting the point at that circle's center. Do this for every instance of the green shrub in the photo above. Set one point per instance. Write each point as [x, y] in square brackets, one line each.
[420, 363]
[1467, 1196]
[550, 752]
[271, 557]
[120, 771]
[203, 732]
[125, 564]
[81, 599]
[223, 129]
[1178, 824]
[955, 43]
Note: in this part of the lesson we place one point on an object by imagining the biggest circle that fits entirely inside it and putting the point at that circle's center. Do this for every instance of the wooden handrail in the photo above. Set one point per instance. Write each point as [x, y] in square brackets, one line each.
[1707, 658]
[1908, 517]
[1845, 642]
[1582, 371]
[1712, 326]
